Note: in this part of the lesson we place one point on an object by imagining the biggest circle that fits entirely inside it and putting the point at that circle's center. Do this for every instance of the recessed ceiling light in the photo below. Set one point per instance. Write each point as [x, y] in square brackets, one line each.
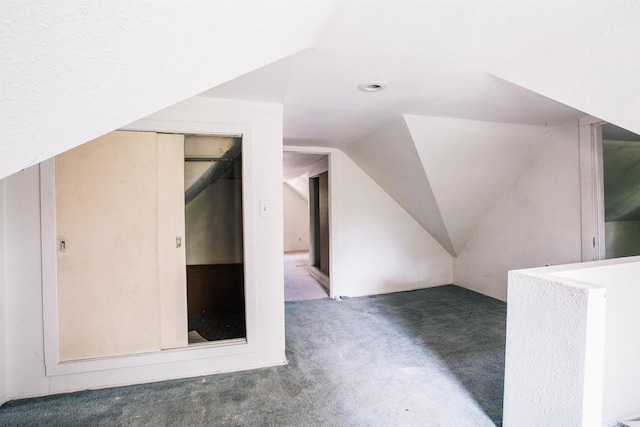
[372, 86]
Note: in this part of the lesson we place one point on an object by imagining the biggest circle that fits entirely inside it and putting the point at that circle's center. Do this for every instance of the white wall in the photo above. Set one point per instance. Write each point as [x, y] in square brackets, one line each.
[553, 357]
[25, 374]
[470, 164]
[561, 67]
[3, 302]
[296, 220]
[117, 43]
[25, 356]
[390, 157]
[573, 348]
[622, 238]
[301, 186]
[381, 247]
[621, 372]
[535, 222]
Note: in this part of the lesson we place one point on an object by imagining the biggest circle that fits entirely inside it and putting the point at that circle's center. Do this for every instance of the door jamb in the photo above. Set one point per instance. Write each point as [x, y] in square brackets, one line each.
[591, 188]
[333, 229]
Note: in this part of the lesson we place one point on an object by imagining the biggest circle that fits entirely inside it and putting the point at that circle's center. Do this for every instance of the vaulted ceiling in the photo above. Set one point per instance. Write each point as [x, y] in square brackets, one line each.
[441, 59]
[73, 71]
[496, 74]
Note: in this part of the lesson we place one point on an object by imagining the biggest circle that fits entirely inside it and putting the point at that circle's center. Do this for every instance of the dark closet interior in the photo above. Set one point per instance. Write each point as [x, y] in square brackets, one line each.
[214, 238]
[319, 218]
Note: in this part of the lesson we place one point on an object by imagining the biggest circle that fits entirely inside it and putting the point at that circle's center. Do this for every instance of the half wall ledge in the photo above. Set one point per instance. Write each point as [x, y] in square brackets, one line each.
[573, 345]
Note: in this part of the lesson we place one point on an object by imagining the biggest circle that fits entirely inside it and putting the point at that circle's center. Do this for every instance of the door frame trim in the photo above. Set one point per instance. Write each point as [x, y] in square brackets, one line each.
[334, 278]
[53, 365]
[591, 188]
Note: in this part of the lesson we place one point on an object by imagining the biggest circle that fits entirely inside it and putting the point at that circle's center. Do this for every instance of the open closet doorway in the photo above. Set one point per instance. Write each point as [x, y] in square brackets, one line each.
[149, 250]
[621, 191]
[306, 226]
[214, 238]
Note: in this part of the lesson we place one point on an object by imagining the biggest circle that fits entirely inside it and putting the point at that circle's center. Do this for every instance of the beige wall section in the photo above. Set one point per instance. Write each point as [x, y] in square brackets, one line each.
[296, 220]
[212, 232]
[171, 258]
[106, 204]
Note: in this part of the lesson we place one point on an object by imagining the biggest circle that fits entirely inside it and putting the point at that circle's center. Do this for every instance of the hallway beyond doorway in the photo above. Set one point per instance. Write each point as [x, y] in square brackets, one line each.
[298, 283]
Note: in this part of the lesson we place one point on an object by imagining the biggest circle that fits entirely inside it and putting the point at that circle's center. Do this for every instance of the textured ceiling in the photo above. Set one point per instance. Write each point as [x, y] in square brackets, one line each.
[447, 136]
[436, 58]
[74, 70]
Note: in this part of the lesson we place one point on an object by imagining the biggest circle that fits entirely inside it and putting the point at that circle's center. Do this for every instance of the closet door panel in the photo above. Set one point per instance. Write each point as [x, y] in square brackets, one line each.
[171, 241]
[107, 231]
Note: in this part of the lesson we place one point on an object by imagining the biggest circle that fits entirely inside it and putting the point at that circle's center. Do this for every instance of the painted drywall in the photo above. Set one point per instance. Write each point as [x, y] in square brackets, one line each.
[469, 165]
[621, 372]
[535, 222]
[3, 302]
[296, 220]
[381, 248]
[24, 317]
[554, 347]
[25, 356]
[547, 49]
[301, 186]
[563, 66]
[622, 238]
[399, 42]
[213, 219]
[389, 156]
[117, 43]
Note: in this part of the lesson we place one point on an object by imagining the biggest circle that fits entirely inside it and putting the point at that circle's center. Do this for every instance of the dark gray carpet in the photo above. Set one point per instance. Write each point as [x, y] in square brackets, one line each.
[433, 357]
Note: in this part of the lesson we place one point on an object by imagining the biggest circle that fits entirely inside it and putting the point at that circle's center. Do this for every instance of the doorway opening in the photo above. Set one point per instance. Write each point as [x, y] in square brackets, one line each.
[620, 191]
[214, 238]
[306, 226]
[319, 226]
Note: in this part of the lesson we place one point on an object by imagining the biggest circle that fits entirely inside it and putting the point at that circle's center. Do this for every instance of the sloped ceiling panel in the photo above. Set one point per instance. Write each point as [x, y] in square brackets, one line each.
[469, 164]
[72, 71]
[593, 68]
[390, 158]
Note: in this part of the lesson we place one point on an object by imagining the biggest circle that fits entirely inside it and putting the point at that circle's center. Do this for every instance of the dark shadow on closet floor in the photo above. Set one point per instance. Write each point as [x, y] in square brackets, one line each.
[221, 325]
[215, 301]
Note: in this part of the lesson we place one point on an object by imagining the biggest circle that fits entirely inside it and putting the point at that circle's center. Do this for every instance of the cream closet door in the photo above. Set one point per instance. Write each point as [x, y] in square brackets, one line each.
[121, 272]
